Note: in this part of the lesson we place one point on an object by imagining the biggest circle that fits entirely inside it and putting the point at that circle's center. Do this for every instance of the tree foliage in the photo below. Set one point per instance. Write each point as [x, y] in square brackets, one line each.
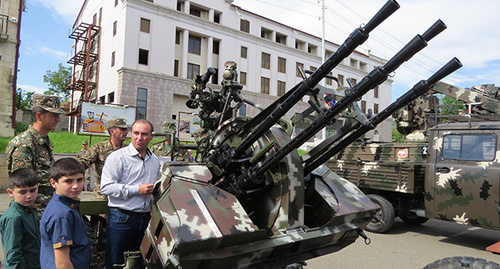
[453, 106]
[24, 100]
[397, 137]
[58, 81]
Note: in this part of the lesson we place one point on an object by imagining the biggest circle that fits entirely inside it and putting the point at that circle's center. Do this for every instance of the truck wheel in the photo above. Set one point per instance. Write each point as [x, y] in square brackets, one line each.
[462, 262]
[385, 213]
[411, 218]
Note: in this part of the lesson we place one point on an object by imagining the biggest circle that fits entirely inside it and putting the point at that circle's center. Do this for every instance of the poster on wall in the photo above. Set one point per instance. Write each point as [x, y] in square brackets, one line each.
[187, 124]
[94, 117]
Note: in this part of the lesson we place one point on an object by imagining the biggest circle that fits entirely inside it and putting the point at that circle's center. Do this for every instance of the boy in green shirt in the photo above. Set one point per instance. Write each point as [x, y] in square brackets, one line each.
[19, 224]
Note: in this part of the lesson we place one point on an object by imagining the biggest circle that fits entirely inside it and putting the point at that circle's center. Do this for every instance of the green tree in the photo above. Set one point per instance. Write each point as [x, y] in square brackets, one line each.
[397, 137]
[58, 81]
[453, 106]
[24, 100]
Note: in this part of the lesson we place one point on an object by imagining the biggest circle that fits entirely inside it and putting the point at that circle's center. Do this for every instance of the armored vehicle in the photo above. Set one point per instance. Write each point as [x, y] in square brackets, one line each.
[448, 168]
[252, 201]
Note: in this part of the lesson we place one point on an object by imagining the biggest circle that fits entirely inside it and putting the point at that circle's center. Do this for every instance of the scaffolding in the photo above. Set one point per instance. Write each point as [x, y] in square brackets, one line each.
[85, 63]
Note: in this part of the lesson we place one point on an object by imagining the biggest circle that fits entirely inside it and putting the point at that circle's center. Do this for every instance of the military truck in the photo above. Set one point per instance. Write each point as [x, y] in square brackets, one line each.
[448, 170]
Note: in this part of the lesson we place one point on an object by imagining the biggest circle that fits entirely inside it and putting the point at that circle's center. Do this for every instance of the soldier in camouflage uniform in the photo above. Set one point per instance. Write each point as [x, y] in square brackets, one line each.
[164, 148]
[97, 154]
[80, 153]
[33, 149]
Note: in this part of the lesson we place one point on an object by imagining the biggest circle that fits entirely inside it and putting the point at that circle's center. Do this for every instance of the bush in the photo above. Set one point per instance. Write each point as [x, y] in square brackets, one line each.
[21, 127]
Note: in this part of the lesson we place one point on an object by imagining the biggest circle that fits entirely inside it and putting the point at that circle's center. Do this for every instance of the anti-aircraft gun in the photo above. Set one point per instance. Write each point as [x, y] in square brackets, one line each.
[253, 201]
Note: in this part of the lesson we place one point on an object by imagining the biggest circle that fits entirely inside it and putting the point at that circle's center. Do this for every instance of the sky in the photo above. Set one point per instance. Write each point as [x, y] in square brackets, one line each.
[472, 35]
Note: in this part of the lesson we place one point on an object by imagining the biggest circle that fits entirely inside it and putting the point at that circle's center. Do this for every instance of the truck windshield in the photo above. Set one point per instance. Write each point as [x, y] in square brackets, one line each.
[469, 147]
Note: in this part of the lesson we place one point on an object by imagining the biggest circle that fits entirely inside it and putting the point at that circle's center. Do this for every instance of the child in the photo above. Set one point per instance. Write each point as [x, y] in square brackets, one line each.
[19, 223]
[64, 240]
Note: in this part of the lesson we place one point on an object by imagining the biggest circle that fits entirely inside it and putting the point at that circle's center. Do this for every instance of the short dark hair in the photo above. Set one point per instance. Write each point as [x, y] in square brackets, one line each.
[66, 167]
[37, 109]
[144, 121]
[23, 177]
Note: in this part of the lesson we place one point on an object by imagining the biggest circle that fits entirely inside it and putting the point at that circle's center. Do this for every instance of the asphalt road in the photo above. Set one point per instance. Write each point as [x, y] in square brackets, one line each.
[407, 246]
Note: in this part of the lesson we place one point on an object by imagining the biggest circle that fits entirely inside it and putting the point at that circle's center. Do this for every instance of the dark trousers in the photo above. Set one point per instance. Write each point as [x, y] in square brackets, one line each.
[124, 233]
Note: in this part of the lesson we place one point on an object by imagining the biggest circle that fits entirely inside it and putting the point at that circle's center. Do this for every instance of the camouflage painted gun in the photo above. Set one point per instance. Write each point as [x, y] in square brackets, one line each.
[254, 202]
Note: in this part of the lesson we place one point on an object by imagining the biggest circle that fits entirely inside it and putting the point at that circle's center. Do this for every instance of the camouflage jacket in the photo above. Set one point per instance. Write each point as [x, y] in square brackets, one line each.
[31, 150]
[163, 149]
[96, 154]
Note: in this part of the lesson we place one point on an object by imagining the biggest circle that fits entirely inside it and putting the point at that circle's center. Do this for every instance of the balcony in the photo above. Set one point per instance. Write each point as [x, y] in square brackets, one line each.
[4, 22]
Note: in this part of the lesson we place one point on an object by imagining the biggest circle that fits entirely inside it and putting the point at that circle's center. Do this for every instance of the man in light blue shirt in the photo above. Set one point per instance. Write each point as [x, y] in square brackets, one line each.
[127, 179]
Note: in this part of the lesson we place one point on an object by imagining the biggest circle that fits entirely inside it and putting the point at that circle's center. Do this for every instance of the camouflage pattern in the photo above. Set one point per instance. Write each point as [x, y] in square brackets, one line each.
[79, 155]
[203, 226]
[48, 102]
[117, 122]
[164, 149]
[465, 191]
[31, 150]
[96, 155]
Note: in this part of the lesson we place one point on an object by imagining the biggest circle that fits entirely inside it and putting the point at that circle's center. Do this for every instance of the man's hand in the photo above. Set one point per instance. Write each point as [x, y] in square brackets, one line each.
[145, 189]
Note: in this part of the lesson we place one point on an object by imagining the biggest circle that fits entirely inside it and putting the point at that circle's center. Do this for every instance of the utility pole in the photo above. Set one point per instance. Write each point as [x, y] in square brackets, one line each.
[323, 53]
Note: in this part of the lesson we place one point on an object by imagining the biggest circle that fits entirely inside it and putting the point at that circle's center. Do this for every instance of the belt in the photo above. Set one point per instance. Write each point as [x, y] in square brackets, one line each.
[132, 213]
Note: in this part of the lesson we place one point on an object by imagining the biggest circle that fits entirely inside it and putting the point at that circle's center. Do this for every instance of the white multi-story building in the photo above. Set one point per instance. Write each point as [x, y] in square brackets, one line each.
[149, 50]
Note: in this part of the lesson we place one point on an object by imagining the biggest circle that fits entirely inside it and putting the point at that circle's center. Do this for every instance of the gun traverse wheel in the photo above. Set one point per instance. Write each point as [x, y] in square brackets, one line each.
[385, 213]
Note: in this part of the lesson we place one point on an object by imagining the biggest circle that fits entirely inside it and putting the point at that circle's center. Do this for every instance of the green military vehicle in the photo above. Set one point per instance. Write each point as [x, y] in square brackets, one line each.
[447, 171]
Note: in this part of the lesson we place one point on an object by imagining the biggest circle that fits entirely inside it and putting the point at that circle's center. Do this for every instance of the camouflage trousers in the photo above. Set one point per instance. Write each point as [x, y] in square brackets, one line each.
[43, 198]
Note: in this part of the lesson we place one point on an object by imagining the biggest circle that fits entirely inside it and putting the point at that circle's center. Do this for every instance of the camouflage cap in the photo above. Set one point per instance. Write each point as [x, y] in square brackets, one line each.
[169, 127]
[85, 142]
[118, 122]
[50, 103]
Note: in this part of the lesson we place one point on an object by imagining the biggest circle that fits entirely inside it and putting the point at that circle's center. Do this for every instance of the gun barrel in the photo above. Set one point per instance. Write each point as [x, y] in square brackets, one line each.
[417, 90]
[374, 78]
[357, 37]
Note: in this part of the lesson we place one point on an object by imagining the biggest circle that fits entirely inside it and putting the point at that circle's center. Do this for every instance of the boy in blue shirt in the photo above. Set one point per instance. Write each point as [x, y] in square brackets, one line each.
[19, 223]
[64, 240]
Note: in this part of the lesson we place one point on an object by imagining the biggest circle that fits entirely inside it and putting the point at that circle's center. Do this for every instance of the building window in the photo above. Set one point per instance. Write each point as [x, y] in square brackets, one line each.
[143, 56]
[375, 109]
[266, 61]
[329, 81]
[145, 24]
[341, 80]
[195, 45]
[114, 28]
[281, 65]
[375, 92]
[142, 102]
[281, 88]
[299, 66]
[363, 106]
[244, 52]
[281, 38]
[195, 11]
[111, 97]
[176, 68]
[100, 16]
[215, 77]
[245, 26]
[116, 3]
[112, 59]
[215, 49]
[94, 19]
[312, 49]
[266, 33]
[353, 81]
[217, 17]
[193, 70]
[177, 37]
[243, 78]
[312, 68]
[102, 99]
[264, 85]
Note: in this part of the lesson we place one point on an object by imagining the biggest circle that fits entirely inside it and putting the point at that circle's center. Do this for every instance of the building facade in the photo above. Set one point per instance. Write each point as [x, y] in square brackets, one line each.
[149, 50]
[10, 21]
